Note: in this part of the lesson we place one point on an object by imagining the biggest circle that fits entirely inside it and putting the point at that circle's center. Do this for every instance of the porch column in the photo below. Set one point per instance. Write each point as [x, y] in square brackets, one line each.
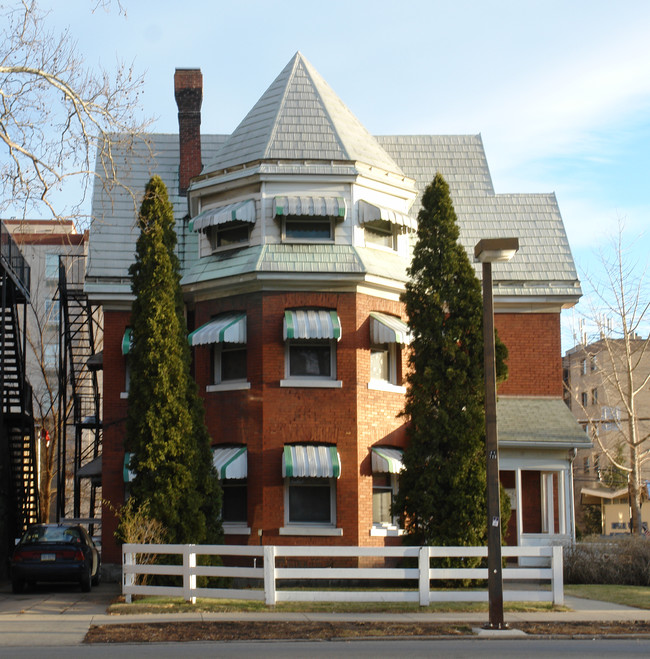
[561, 501]
[519, 515]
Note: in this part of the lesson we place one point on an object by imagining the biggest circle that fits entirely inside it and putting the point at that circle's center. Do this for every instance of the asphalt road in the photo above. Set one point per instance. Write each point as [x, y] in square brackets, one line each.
[501, 649]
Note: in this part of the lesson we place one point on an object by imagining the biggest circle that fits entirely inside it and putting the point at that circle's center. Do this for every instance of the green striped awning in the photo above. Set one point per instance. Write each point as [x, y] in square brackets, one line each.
[230, 462]
[386, 460]
[126, 471]
[388, 329]
[226, 328]
[127, 341]
[311, 324]
[310, 461]
[242, 211]
[371, 213]
[314, 206]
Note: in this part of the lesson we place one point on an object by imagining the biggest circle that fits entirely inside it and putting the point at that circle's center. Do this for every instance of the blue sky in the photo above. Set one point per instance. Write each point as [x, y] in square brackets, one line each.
[560, 91]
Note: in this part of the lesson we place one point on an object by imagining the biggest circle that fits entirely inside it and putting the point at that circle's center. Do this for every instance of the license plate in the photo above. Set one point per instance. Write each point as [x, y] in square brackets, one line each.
[48, 557]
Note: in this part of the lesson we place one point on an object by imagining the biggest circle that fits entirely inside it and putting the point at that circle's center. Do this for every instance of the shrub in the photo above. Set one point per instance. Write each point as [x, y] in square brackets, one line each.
[619, 561]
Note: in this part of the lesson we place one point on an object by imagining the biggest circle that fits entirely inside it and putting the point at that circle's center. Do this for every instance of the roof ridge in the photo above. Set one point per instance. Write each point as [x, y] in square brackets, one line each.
[308, 71]
[274, 126]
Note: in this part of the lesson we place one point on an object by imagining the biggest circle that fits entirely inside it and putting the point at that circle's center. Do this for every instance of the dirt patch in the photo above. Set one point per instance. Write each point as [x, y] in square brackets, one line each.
[173, 632]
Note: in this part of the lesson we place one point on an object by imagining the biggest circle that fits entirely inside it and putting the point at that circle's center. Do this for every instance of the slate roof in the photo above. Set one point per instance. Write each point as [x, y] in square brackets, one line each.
[535, 421]
[113, 233]
[299, 117]
[544, 264]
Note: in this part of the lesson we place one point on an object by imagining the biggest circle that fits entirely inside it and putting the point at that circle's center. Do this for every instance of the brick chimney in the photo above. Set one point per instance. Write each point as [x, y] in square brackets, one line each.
[188, 91]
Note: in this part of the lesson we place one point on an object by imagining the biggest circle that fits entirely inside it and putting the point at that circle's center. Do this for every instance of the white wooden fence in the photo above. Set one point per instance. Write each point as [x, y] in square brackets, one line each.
[547, 580]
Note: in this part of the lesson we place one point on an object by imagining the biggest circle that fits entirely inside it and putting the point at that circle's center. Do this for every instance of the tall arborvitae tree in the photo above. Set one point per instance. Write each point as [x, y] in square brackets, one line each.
[166, 432]
[442, 495]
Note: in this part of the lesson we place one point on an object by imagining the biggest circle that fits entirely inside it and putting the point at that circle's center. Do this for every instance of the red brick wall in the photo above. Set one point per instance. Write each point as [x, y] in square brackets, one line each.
[354, 418]
[535, 353]
[188, 91]
[114, 430]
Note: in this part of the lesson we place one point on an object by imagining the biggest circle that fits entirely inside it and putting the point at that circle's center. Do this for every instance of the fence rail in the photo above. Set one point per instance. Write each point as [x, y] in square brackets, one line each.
[548, 585]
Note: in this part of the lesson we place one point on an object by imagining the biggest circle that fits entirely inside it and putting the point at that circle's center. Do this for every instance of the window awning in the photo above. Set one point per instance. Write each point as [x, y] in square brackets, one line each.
[227, 328]
[386, 460]
[311, 324]
[310, 461]
[371, 213]
[92, 469]
[127, 341]
[388, 329]
[128, 475]
[231, 462]
[242, 211]
[315, 206]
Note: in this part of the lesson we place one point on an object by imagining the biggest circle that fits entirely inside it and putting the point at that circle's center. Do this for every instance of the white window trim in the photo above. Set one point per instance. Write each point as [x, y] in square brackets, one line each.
[394, 487]
[381, 385]
[226, 385]
[229, 385]
[224, 228]
[236, 528]
[328, 381]
[315, 383]
[391, 383]
[386, 531]
[304, 529]
[394, 233]
[310, 528]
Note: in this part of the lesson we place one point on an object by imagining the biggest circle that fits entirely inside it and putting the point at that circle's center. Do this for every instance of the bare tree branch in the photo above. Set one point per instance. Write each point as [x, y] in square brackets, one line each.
[57, 116]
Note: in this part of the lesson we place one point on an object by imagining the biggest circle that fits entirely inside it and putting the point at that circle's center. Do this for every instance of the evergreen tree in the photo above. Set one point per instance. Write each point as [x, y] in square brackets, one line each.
[166, 431]
[442, 495]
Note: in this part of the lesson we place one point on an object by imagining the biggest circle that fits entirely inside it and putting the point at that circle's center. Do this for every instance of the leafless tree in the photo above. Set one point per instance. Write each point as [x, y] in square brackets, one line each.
[56, 115]
[618, 311]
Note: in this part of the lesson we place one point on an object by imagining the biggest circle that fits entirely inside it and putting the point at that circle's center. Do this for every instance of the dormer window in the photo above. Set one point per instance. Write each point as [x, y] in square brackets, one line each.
[309, 219]
[224, 227]
[382, 226]
[380, 233]
[306, 229]
[228, 235]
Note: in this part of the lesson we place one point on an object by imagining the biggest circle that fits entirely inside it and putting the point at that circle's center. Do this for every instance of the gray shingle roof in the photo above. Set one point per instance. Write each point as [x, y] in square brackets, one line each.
[113, 233]
[543, 422]
[299, 117]
[544, 264]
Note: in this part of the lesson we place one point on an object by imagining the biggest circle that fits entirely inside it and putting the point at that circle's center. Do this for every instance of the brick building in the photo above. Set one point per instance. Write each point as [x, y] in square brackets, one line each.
[597, 393]
[294, 237]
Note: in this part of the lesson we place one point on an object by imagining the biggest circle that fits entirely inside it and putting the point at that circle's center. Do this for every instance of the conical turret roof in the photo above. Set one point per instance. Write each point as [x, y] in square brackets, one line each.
[299, 117]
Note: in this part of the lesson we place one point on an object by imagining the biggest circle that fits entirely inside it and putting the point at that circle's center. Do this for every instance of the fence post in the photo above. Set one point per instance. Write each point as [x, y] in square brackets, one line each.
[557, 567]
[423, 579]
[128, 579]
[189, 578]
[269, 575]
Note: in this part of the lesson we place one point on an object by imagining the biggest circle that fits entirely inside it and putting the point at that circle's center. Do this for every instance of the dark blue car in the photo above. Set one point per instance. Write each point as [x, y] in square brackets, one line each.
[55, 553]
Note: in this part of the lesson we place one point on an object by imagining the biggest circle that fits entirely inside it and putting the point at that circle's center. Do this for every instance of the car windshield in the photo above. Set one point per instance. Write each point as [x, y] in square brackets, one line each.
[42, 534]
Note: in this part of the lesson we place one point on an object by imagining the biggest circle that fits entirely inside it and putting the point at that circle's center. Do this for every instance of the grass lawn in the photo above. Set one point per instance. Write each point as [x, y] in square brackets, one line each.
[153, 604]
[638, 596]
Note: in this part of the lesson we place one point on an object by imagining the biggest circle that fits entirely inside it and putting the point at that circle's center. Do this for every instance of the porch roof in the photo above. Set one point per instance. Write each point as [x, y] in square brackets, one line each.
[538, 422]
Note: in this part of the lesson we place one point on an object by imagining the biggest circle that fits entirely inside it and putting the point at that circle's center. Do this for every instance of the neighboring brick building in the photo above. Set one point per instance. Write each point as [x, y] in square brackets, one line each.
[596, 383]
[294, 238]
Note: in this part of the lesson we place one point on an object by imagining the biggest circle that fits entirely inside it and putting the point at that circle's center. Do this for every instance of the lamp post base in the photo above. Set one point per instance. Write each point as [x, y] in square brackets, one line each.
[495, 625]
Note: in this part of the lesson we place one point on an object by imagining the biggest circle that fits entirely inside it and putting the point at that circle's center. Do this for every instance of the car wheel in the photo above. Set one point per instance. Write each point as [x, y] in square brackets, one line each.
[97, 578]
[17, 586]
[85, 581]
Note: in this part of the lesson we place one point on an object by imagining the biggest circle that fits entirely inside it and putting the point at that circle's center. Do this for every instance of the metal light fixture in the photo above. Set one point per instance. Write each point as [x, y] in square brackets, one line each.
[487, 251]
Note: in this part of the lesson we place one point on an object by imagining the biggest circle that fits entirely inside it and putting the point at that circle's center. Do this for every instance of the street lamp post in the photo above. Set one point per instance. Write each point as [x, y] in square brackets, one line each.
[488, 251]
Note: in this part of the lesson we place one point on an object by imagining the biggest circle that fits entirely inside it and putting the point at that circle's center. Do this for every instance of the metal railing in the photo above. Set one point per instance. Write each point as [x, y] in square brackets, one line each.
[13, 261]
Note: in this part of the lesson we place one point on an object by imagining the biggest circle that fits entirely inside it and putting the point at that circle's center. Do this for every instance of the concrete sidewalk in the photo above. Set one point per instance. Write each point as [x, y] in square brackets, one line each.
[62, 616]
